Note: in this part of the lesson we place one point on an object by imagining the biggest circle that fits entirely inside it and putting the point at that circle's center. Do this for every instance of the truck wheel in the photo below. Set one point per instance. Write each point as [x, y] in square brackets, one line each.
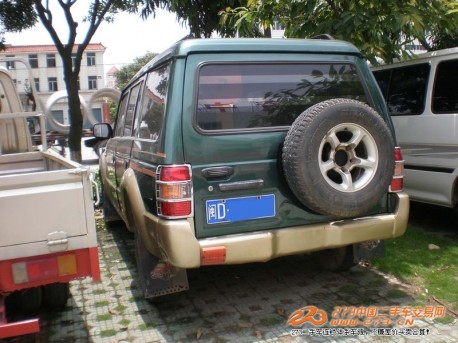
[56, 295]
[338, 158]
[336, 260]
[30, 338]
[29, 300]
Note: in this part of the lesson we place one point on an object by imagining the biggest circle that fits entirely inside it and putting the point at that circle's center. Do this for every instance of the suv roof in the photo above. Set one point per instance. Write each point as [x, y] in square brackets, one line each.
[186, 47]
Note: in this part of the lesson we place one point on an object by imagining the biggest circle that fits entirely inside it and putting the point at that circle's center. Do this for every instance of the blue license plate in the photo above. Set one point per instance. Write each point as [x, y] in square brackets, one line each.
[237, 209]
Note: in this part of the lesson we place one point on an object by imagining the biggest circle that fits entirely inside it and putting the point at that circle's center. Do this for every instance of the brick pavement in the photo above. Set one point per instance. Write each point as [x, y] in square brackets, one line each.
[247, 303]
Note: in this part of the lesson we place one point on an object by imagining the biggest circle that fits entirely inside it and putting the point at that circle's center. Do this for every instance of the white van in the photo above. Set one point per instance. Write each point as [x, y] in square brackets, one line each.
[422, 98]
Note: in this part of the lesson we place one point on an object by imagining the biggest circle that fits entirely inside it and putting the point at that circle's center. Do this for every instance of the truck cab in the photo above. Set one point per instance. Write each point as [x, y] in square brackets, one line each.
[47, 220]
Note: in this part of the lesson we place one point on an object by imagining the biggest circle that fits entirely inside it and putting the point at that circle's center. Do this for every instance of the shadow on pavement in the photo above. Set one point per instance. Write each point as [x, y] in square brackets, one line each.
[242, 303]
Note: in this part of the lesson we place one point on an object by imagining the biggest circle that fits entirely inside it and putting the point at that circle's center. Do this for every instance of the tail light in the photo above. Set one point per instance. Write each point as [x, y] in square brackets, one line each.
[397, 183]
[174, 191]
[44, 268]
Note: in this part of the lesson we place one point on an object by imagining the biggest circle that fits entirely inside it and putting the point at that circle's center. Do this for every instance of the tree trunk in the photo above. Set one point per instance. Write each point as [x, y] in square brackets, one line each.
[76, 126]
[97, 11]
[76, 118]
[267, 32]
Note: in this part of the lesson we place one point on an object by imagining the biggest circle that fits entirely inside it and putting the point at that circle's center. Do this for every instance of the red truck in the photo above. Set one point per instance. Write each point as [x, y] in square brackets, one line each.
[47, 224]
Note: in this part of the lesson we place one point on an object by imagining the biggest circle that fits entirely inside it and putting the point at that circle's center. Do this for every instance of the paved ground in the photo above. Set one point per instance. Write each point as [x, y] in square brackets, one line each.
[248, 303]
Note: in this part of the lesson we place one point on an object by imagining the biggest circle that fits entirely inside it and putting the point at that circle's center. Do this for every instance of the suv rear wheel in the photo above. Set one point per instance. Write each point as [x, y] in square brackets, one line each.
[337, 259]
[336, 156]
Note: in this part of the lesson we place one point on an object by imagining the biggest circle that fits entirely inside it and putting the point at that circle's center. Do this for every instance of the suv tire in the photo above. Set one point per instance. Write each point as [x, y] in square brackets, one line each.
[337, 259]
[336, 156]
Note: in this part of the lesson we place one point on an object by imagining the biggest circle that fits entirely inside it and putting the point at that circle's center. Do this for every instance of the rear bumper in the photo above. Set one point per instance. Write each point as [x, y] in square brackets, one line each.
[14, 329]
[18, 328]
[175, 242]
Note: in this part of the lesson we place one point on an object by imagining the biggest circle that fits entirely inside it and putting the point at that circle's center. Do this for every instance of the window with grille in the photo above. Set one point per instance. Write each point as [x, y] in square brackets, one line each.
[51, 60]
[90, 59]
[92, 82]
[33, 61]
[52, 84]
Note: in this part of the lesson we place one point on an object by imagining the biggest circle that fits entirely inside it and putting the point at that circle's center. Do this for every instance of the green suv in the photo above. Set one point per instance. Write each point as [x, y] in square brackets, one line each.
[229, 151]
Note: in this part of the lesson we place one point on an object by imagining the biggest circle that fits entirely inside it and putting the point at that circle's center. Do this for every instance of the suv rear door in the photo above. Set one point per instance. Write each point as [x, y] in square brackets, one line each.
[233, 130]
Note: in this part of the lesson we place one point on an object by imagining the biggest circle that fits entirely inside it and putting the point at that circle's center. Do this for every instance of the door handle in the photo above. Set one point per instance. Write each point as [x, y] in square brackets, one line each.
[217, 172]
[241, 185]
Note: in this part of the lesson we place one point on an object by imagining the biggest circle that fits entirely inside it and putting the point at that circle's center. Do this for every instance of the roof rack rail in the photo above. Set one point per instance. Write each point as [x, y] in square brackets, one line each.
[189, 36]
[324, 36]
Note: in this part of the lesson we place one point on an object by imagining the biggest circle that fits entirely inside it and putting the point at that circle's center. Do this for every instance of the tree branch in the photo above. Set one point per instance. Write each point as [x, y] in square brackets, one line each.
[425, 44]
[45, 16]
[72, 25]
[96, 19]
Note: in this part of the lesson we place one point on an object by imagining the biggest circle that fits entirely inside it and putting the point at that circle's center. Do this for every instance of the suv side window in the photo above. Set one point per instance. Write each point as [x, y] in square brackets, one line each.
[130, 113]
[404, 88]
[121, 115]
[445, 93]
[250, 96]
[151, 114]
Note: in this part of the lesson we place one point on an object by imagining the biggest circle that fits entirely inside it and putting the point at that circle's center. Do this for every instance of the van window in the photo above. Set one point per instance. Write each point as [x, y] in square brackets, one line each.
[404, 88]
[445, 93]
[247, 96]
[151, 114]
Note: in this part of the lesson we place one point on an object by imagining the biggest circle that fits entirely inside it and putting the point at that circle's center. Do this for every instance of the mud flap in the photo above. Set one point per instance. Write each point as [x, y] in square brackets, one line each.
[157, 277]
[368, 250]
[109, 212]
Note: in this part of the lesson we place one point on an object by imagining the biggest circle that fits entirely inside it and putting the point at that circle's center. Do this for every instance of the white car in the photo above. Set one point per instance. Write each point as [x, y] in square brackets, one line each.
[422, 98]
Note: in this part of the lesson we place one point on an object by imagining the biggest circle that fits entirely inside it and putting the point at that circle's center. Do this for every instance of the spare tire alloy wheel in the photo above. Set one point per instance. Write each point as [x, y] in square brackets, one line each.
[338, 158]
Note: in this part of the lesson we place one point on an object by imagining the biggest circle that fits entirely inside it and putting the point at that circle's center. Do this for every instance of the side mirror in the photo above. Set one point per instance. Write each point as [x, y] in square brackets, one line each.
[102, 130]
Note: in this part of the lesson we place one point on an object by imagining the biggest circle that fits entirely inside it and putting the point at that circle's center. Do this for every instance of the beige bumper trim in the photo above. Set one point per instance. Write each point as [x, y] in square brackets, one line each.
[181, 248]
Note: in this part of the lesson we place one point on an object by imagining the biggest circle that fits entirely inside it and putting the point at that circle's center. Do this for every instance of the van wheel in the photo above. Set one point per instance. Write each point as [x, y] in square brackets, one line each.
[336, 260]
[338, 158]
[56, 295]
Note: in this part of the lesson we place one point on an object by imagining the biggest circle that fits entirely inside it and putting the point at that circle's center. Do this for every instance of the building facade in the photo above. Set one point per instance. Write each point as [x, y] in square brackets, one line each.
[48, 78]
[112, 77]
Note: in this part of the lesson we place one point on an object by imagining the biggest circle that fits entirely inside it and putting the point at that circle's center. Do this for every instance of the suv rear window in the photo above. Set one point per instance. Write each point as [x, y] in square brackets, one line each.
[250, 96]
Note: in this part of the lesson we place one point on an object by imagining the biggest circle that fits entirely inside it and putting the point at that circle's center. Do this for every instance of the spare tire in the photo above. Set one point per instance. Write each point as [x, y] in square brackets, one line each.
[338, 158]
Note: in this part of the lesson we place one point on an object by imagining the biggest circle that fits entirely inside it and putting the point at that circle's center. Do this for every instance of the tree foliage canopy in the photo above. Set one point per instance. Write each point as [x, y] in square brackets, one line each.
[17, 15]
[201, 16]
[380, 28]
[126, 73]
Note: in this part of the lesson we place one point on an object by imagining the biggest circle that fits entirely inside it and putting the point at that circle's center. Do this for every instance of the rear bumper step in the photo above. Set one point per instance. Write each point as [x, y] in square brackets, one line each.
[179, 246]
[19, 328]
